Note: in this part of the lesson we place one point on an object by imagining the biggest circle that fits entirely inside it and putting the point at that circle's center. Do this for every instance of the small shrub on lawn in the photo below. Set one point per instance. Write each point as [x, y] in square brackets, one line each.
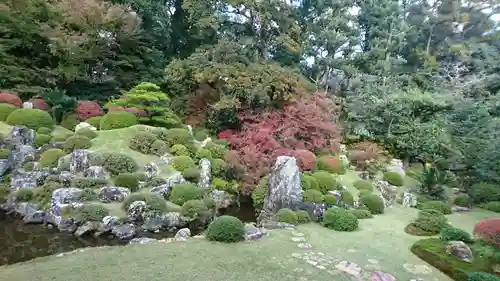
[438, 206]
[94, 121]
[482, 276]
[488, 231]
[309, 182]
[340, 220]
[287, 216]
[154, 202]
[226, 229]
[128, 180]
[394, 178]
[158, 148]
[70, 121]
[373, 203]
[216, 150]
[44, 131]
[331, 164]
[117, 120]
[183, 192]
[77, 142]
[313, 196]
[30, 117]
[156, 181]
[50, 157]
[326, 182]
[302, 216]
[455, 234]
[428, 222]
[181, 163]
[5, 110]
[492, 206]
[117, 163]
[203, 153]
[176, 136]
[347, 197]
[364, 193]
[193, 210]
[24, 195]
[88, 183]
[218, 167]
[462, 201]
[4, 153]
[259, 193]
[179, 150]
[41, 139]
[191, 174]
[89, 133]
[142, 142]
[484, 192]
[362, 214]
[363, 185]
[330, 199]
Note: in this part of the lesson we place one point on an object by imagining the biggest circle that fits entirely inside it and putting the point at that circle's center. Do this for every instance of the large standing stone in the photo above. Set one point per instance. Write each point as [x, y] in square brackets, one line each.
[409, 199]
[205, 174]
[136, 210]
[284, 189]
[315, 210]
[396, 166]
[460, 250]
[388, 191]
[80, 161]
[21, 135]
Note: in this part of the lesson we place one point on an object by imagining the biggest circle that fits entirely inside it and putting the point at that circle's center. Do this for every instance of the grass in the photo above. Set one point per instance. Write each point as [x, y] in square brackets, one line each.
[380, 244]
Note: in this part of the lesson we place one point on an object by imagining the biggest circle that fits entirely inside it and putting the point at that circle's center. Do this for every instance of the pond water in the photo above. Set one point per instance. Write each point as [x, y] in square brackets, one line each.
[22, 242]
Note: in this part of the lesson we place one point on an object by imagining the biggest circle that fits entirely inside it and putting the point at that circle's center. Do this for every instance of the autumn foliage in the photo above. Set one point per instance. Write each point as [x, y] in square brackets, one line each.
[488, 231]
[10, 99]
[40, 104]
[305, 158]
[306, 124]
[364, 152]
[136, 111]
[86, 109]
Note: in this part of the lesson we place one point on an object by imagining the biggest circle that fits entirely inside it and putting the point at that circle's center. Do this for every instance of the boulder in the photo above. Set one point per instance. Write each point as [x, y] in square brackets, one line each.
[315, 210]
[79, 161]
[151, 170]
[20, 179]
[84, 125]
[30, 213]
[96, 172]
[409, 199]
[382, 276]
[136, 210]
[164, 190]
[183, 233]
[124, 231]
[205, 174]
[254, 233]
[460, 250]
[388, 191]
[20, 155]
[109, 194]
[396, 165]
[142, 240]
[349, 268]
[222, 198]
[87, 228]
[459, 209]
[20, 135]
[62, 197]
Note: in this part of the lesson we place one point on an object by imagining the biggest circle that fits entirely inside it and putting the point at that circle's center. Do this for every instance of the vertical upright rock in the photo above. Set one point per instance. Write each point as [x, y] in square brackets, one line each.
[205, 174]
[151, 170]
[21, 135]
[79, 161]
[284, 189]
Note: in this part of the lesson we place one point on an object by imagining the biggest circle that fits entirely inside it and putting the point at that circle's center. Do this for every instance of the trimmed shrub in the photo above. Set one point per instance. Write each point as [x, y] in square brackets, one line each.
[438, 206]
[158, 148]
[88, 183]
[203, 153]
[41, 139]
[77, 142]
[176, 136]
[44, 131]
[128, 180]
[492, 206]
[59, 138]
[218, 167]
[287, 216]
[309, 182]
[181, 163]
[31, 118]
[364, 193]
[331, 164]
[488, 231]
[482, 276]
[455, 234]
[191, 174]
[340, 220]
[330, 199]
[50, 157]
[227, 229]
[259, 193]
[11, 99]
[86, 109]
[394, 178]
[89, 133]
[373, 203]
[117, 120]
[302, 216]
[95, 121]
[183, 192]
[5, 110]
[313, 196]
[117, 163]
[347, 197]
[484, 192]
[224, 185]
[39, 103]
[154, 182]
[4, 153]
[195, 210]
[362, 214]
[462, 201]
[210, 203]
[216, 150]
[142, 142]
[363, 185]
[154, 202]
[89, 212]
[326, 182]
[305, 159]
[428, 222]
[70, 121]
[179, 150]
[24, 195]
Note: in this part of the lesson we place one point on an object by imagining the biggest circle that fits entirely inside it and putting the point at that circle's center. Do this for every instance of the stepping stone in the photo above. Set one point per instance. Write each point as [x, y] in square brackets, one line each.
[382, 276]
[304, 246]
[298, 234]
[313, 263]
[320, 267]
[298, 239]
[296, 255]
[349, 268]
[351, 250]
[372, 261]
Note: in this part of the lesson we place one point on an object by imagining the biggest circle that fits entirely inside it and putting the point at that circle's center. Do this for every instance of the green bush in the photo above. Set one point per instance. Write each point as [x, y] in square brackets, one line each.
[373, 203]
[482, 276]
[128, 180]
[226, 229]
[24, 195]
[142, 142]
[179, 150]
[347, 197]
[438, 206]
[492, 206]
[191, 174]
[50, 157]
[44, 131]
[59, 138]
[218, 167]
[455, 234]
[484, 192]
[154, 182]
[430, 222]
[394, 178]
[200, 134]
[181, 163]
[363, 185]
[88, 183]
[43, 194]
[70, 121]
[89, 212]
[287, 216]
[302, 217]
[313, 196]
[340, 220]
[41, 139]
[117, 120]
[462, 201]
[309, 182]
[326, 182]
[117, 163]
[216, 150]
[362, 214]
[5, 110]
[4, 192]
[224, 185]
[154, 202]
[77, 142]
[183, 192]
[195, 210]
[364, 193]
[4, 153]
[94, 121]
[176, 136]
[89, 133]
[158, 148]
[29, 166]
[31, 118]
[259, 193]
[330, 199]
[203, 153]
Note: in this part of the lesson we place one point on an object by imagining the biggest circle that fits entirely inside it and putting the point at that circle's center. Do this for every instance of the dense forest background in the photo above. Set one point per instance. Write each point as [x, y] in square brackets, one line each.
[419, 77]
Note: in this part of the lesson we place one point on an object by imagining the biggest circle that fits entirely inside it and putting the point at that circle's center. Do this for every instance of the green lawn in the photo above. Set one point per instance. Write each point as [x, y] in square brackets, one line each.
[380, 244]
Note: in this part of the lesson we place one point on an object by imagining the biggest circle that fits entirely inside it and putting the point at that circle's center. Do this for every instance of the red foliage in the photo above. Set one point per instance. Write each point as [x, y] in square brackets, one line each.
[40, 104]
[330, 163]
[86, 109]
[306, 124]
[136, 111]
[488, 231]
[365, 151]
[11, 99]
[306, 159]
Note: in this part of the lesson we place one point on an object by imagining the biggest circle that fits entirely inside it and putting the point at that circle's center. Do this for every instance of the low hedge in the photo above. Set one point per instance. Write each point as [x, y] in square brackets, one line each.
[433, 251]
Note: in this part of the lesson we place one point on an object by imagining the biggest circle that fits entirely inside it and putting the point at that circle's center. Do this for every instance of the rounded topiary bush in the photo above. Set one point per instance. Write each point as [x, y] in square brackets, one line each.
[218, 167]
[117, 163]
[363, 192]
[40, 104]
[203, 153]
[41, 139]
[326, 182]
[44, 131]
[330, 199]
[462, 201]
[363, 185]
[191, 174]
[313, 196]
[331, 164]
[347, 197]
[154, 202]
[195, 210]
[440, 206]
[70, 121]
[302, 216]
[305, 159]
[142, 142]
[179, 150]
[88, 183]
[455, 234]
[309, 182]
[176, 136]
[77, 142]
[11, 99]
[428, 222]
[128, 180]
[373, 203]
[216, 150]
[492, 206]
[287, 216]
[183, 192]
[86, 109]
[362, 214]
[5, 110]
[31, 118]
[50, 157]
[226, 229]
[482, 276]
[394, 178]
[483, 192]
[158, 148]
[89, 133]
[24, 195]
[340, 220]
[94, 121]
[181, 163]
[117, 120]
